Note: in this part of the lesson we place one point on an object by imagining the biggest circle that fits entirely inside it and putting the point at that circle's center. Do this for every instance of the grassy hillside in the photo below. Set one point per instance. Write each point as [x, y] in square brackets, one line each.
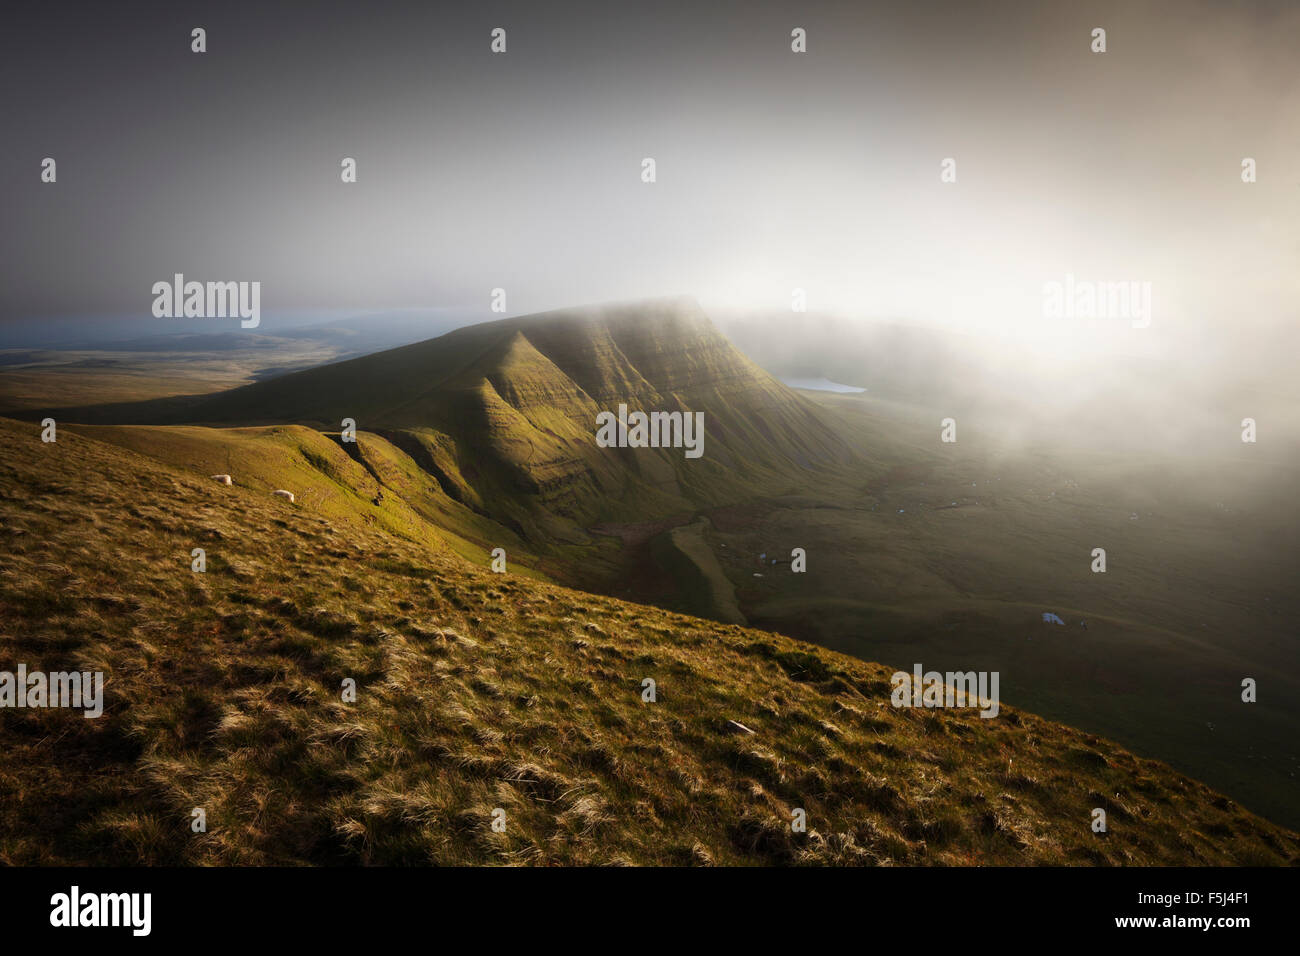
[369, 483]
[503, 415]
[946, 554]
[954, 554]
[477, 692]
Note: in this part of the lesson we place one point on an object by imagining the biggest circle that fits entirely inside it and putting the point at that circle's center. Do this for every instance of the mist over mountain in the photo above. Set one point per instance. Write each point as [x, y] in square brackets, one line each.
[480, 446]
[1102, 385]
[595, 435]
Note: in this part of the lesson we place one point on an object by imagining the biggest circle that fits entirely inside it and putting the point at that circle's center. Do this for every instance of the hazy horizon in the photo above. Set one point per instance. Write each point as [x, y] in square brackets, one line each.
[775, 170]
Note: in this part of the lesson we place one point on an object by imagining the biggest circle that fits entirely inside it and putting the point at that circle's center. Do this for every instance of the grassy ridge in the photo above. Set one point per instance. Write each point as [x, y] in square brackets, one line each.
[477, 692]
[507, 411]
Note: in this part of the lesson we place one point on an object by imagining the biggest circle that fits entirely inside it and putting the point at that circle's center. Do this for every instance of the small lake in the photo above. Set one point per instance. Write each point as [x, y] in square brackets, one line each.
[820, 385]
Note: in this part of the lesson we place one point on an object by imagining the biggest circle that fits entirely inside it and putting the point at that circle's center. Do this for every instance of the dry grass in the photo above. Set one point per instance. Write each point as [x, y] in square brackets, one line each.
[480, 691]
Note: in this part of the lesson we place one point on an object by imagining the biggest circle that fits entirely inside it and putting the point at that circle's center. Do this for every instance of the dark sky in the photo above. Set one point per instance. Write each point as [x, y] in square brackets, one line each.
[775, 170]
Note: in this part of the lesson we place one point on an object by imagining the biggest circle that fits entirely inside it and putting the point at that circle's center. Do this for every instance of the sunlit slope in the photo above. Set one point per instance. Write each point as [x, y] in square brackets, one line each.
[512, 405]
[478, 692]
[366, 483]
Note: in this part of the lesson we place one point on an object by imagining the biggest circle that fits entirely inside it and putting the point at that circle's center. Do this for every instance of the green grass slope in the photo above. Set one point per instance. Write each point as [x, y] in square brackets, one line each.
[511, 408]
[367, 483]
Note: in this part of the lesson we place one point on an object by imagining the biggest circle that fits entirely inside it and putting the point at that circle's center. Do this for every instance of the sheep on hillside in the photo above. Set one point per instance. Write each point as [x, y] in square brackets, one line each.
[284, 494]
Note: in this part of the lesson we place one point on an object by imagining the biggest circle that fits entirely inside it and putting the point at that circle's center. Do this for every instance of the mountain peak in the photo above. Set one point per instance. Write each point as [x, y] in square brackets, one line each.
[515, 402]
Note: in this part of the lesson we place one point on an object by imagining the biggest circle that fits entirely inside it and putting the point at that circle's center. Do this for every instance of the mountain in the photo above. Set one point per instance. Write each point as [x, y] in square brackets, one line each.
[483, 697]
[916, 550]
[503, 414]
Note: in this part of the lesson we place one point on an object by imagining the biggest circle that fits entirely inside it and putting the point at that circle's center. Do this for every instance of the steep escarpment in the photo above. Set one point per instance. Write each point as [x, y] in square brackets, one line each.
[512, 406]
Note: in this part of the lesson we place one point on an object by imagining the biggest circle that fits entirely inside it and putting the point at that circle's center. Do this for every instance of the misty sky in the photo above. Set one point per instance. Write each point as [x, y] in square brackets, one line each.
[775, 170]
